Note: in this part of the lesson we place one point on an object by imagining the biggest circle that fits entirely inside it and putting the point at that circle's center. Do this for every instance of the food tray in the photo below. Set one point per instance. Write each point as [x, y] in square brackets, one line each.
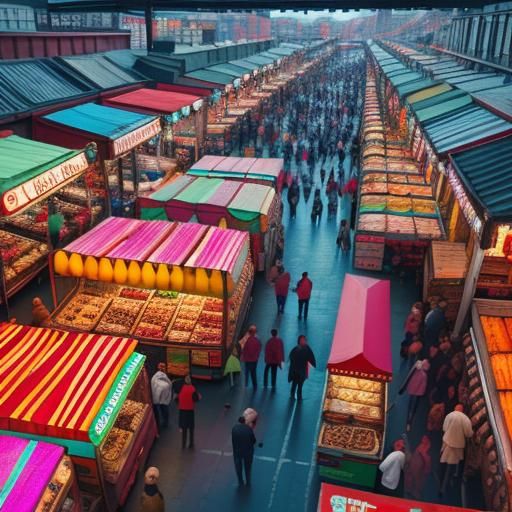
[349, 439]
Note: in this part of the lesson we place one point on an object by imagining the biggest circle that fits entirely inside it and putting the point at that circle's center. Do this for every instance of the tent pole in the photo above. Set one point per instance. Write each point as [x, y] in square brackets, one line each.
[148, 12]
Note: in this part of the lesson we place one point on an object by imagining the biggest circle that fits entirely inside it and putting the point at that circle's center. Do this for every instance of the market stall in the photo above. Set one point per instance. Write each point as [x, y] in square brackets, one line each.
[352, 434]
[49, 195]
[488, 350]
[85, 392]
[183, 119]
[119, 135]
[245, 206]
[183, 290]
[334, 498]
[36, 477]
[265, 171]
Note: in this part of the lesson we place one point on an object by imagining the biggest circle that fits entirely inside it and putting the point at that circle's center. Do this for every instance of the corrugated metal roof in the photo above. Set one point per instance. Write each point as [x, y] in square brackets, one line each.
[243, 63]
[282, 52]
[466, 126]
[430, 92]
[100, 71]
[405, 78]
[441, 109]
[258, 59]
[482, 84]
[452, 73]
[468, 78]
[417, 85]
[210, 76]
[10, 102]
[37, 82]
[499, 99]
[485, 170]
[441, 98]
[393, 67]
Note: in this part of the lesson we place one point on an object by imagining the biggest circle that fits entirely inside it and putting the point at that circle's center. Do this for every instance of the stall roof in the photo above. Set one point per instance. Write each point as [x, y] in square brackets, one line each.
[172, 189]
[259, 60]
[464, 127]
[224, 194]
[271, 167]
[23, 159]
[100, 71]
[152, 101]
[25, 84]
[485, 170]
[108, 122]
[438, 99]
[429, 92]
[482, 84]
[394, 66]
[55, 382]
[361, 344]
[405, 78]
[229, 69]
[184, 89]
[210, 76]
[171, 243]
[199, 190]
[244, 63]
[417, 85]
[498, 100]
[251, 201]
[449, 73]
[282, 52]
[194, 82]
[27, 468]
[444, 108]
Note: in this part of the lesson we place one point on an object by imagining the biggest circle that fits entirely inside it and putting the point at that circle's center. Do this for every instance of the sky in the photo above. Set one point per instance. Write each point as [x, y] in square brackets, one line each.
[338, 15]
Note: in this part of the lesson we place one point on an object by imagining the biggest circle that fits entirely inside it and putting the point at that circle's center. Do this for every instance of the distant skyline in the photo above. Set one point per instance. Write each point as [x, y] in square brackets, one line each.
[337, 15]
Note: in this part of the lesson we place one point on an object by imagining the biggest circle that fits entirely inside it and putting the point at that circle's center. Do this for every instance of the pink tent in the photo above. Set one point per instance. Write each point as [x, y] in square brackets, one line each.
[361, 345]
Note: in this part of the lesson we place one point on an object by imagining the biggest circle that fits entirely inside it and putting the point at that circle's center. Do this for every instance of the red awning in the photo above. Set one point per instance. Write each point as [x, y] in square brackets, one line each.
[361, 346]
[152, 101]
[185, 89]
[334, 497]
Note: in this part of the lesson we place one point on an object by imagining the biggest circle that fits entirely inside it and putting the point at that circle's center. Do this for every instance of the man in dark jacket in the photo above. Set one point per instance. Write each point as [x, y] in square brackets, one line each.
[243, 440]
[274, 357]
[300, 357]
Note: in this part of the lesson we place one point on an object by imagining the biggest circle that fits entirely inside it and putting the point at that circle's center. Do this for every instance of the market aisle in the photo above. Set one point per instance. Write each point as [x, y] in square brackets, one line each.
[284, 474]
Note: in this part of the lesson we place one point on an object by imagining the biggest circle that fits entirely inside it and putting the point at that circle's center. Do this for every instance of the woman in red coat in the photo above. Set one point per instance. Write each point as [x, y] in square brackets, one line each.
[274, 357]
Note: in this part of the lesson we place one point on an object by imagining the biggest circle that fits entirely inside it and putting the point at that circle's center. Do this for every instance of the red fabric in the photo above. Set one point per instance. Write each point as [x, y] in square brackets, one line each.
[412, 323]
[418, 469]
[194, 91]
[507, 245]
[274, 351]
[304, 288]
[251, 350]
[361, 500]
[185, 400]
[282, 284]
[152, 101]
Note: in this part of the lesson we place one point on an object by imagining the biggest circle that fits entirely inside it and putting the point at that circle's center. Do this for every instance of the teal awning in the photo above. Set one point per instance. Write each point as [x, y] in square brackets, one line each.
[441, 109]
[417, 85]
[210, 76]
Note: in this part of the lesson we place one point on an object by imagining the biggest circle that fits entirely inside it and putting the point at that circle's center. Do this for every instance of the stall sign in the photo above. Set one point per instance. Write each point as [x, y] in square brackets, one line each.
[135, 138]
[117, 395]
[468, 211]
[43, 185]
[334, 498]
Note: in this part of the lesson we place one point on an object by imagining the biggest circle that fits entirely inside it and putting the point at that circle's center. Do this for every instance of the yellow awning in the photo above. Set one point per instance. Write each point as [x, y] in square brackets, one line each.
[428, 93]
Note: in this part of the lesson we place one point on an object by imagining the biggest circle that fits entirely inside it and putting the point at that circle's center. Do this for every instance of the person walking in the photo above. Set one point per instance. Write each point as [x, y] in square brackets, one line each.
[300, 357]
[416, 386]
[391, 482]
[435, 322]
[417, 469]
[243, 441]
[343, 239]
[151, 499]
[233, 366]
[457, 429]
[282, 284]
[250, 355]
[187, 398]
[303, 289]
[161, 391]
[274, 357]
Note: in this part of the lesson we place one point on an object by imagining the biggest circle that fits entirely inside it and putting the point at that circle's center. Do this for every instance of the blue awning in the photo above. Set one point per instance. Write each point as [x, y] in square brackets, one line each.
[107, 122]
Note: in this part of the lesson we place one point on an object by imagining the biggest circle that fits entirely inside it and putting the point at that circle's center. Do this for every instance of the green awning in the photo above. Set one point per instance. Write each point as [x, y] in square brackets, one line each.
[440, 98]
[172, 189]
[441, 109]
[199, 191]
[405, 78]
[417, 85]
[23, 159]
[243, 63]
[228, 69]
[210, 76]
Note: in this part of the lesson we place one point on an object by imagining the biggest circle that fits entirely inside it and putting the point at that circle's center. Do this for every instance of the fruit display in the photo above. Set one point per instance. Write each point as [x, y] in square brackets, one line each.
[134, 293]
[82, 312]
[112, 452]
[358, 440]
[20, 254]
[54, 488]
[120, 317]
[498, 333]
[156, 317]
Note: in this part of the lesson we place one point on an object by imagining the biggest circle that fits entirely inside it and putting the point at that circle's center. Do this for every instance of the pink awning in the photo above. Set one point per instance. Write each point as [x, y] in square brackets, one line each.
[267, 167]
[208, 162]
[224, 194]
[220, 250]
[361, 344]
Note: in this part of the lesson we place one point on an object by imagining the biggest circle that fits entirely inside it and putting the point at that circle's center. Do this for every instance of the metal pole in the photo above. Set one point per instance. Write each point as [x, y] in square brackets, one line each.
[148, 12]
[469, 286]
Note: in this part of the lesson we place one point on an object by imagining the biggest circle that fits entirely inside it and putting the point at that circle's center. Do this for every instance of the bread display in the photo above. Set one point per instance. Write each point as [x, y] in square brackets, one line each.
[348, 438]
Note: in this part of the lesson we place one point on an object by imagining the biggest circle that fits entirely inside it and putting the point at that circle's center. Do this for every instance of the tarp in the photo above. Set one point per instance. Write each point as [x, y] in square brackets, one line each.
[152, 101]
[428, 93]
[465, 127]
[107, 122]
[23, 159]
[485, 171]
[130, 240]
[53, 383]
[334, 498]
[361, 345]
[26, 470]
[251, 202]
